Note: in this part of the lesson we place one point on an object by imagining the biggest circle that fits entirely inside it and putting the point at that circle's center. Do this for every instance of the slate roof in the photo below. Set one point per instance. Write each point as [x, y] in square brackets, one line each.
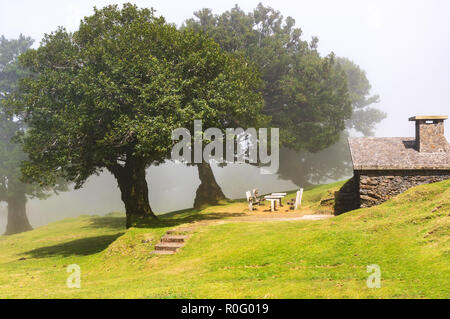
[393, 153]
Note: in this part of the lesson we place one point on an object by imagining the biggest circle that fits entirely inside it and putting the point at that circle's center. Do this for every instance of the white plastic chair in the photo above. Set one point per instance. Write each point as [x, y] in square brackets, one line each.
[249, 200]
[298, 198]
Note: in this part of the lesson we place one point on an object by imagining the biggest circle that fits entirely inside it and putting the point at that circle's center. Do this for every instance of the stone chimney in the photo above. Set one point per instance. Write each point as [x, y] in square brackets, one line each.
[430, 134]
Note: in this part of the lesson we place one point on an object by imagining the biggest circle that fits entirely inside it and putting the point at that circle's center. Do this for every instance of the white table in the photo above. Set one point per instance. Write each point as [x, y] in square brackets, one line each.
[279, 194]
[273, 199]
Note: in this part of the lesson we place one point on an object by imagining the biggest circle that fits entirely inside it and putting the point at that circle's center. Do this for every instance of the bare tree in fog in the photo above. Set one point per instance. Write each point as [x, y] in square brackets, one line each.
[12, 190]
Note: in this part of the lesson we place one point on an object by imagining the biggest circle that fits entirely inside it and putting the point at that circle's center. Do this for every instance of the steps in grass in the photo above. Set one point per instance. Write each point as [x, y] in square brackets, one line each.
[168, 246]
[173, 240]
[180, 231]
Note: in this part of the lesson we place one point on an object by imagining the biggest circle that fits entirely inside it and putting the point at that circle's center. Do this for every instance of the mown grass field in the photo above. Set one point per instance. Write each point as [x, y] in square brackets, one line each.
[408, 237]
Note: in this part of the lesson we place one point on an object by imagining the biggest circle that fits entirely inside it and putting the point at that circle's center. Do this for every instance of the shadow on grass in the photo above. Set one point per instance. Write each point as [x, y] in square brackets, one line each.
[79, 247]
[115, 223]
[186, 218]
[171, 219]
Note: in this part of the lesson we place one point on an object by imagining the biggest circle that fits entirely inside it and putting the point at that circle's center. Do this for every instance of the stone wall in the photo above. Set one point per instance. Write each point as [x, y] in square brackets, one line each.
[369, 188]
[376, 187]
[347, 198]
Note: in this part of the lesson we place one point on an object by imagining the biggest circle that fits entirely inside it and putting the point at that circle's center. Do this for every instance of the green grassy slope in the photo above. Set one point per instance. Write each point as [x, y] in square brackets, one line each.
[408, 237]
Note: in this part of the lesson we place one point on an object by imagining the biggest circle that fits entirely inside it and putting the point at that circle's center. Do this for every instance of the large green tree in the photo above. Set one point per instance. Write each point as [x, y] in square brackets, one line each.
[110, 95]
[12, 190]
[333, 163]
[304, 93]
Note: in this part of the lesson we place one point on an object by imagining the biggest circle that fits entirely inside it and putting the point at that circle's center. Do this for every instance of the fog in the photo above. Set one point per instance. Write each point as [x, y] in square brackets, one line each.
[402, 45]
[171, 187]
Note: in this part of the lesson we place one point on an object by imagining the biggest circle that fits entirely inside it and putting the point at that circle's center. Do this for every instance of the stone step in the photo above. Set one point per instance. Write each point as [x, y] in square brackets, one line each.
[169, 246]
[174, 238]
[179, 230]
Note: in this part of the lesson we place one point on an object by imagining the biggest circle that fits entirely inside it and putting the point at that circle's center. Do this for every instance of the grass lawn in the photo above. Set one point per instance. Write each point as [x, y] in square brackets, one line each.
[232, 256]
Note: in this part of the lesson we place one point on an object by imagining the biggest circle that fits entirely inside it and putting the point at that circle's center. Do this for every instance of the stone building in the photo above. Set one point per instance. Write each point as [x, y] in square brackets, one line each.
[387, 166]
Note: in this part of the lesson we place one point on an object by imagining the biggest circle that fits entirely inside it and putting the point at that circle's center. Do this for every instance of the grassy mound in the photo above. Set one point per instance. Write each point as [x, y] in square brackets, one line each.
[408, 237]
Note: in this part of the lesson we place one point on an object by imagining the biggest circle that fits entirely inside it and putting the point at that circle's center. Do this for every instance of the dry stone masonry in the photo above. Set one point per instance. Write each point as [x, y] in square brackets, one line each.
[385, 167]
[376, 187]
[430, 134]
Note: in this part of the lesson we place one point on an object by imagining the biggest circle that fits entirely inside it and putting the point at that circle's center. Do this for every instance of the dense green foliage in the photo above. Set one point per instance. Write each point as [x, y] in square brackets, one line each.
[305, 94]
[314, 100]
[334, 162]
[110, 94]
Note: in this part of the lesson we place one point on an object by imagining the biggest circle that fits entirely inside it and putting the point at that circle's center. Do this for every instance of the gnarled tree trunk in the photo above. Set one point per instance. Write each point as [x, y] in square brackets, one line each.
[17, 215]
[208, 192]
[134, 191]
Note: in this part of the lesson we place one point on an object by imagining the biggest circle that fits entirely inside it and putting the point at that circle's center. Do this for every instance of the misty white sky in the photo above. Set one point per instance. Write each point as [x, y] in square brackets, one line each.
[403, 45]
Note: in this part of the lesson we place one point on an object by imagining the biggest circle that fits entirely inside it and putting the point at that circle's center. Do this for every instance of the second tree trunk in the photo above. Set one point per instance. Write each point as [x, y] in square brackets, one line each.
[17, 216]
[208, 192]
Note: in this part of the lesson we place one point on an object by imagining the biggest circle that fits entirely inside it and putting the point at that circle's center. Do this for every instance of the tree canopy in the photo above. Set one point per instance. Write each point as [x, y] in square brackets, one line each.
[365, 116]
[334, 162]
[314, 99]
[304, 93]
[110, 94]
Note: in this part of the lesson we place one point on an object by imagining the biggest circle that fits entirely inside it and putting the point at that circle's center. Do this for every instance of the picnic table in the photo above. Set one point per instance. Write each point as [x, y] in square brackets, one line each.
[274, 198]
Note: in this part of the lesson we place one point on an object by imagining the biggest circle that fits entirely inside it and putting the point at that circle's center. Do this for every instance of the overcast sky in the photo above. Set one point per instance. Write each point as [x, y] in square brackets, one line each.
[403, 45]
